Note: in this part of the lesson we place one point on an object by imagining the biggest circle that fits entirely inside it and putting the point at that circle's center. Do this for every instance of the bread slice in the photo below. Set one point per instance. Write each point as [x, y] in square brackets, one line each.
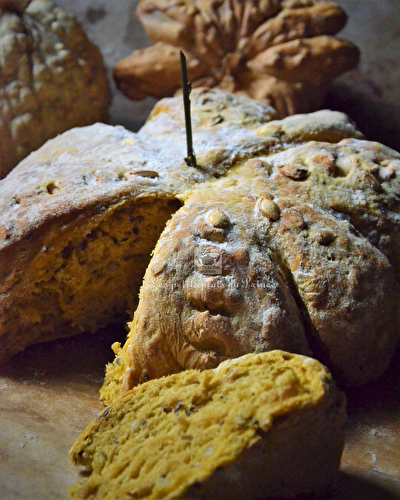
[262, 425]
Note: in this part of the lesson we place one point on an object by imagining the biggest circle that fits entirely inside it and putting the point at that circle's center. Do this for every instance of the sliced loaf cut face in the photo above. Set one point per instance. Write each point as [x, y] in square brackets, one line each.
[259, 426]
[80, 272]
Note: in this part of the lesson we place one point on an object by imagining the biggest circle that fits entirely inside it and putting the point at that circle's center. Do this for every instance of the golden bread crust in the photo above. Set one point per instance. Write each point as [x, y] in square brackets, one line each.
[292, 277]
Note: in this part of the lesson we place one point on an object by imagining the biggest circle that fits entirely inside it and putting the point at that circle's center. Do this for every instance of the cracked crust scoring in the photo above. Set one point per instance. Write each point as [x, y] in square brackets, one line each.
[304, 209]
[293, 277]
[52, 78]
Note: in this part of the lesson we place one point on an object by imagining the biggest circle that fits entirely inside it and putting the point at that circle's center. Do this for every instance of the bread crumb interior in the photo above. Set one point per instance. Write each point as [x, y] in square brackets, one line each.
[85, 274]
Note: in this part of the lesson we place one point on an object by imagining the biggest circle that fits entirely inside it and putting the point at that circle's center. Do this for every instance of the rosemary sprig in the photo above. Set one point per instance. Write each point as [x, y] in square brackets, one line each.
[186, 88]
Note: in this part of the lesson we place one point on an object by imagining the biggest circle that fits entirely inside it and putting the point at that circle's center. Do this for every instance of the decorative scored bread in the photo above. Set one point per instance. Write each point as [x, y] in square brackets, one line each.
[262, 425]
[302, 211]
[282, 52]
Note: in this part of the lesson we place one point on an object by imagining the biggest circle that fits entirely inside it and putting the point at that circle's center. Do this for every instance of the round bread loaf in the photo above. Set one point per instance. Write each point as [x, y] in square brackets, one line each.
[303, 212]
[52, 78]
[259, 426]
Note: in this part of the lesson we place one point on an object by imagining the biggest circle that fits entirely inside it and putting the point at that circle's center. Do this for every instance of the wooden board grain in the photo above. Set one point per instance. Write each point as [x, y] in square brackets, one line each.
[49, 393]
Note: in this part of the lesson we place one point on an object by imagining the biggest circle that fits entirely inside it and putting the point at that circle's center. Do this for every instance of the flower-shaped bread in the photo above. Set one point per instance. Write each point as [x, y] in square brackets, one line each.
[282, 52]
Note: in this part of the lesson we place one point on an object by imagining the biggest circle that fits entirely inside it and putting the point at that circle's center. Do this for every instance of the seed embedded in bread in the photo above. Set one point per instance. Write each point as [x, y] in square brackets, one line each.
[269, 208]
[218, 218]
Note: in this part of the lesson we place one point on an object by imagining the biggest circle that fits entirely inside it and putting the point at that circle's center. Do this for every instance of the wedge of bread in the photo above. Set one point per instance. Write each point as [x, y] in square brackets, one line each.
[259, 426]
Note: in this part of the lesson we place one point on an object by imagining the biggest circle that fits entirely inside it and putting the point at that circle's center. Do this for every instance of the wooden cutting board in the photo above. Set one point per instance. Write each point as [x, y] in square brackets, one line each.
[49, 393]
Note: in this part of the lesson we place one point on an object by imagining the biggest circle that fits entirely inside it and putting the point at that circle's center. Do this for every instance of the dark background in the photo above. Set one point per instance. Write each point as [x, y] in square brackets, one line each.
[370, 94]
